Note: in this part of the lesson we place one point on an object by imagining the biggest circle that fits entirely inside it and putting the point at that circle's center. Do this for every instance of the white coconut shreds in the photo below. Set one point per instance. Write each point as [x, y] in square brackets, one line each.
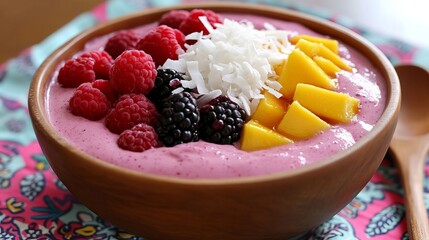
[235, 60]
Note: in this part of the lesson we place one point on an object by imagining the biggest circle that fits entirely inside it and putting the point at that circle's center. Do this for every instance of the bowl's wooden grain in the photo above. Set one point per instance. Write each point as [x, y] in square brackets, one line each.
[274, 206]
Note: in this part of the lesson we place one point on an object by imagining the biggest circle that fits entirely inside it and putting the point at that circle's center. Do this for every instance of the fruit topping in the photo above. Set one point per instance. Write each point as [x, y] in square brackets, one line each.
[192, 22]
[270, 106]
[76, 71]
[162, 43]
[139, 138]
[256, 136]
[327, 66]
[89, 102]
[300, 68]
[131, 109]
[332, 44]
[133, 72]
[165, 82]
[299, 123]
[286, 85]
[105, 87]
[221, 121]
[179, 120]
[174, 18]
[317, 49]
[102, 63]
[120, 42]
[334, 106]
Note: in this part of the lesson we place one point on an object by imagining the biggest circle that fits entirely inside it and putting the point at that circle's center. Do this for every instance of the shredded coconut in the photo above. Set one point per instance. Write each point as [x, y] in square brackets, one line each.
[235, 60]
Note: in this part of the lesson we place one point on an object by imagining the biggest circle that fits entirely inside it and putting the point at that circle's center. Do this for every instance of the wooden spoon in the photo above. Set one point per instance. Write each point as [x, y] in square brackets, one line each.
[410, 145]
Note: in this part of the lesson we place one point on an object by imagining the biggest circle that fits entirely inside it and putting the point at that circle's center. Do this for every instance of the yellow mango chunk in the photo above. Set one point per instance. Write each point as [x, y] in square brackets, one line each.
[329, 67]
[300, 68]
[270, 110]
[278, 68]
[329, 105]
[299, 123]
[332, 44]
[318, 49]
[255, 136]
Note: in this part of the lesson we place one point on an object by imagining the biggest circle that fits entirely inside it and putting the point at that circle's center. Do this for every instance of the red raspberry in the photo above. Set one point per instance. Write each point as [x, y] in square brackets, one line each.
[131, 109]
[105, 87]
[193, 24]
[162, 43]
[103, 63]
[89, 102]
[133, 72]
[139, 138]
[174, 18]
[76, 71]
[121, 41]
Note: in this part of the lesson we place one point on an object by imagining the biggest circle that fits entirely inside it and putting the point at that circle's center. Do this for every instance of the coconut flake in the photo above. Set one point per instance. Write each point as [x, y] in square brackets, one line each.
[194, 36]
[197, 77]
[206, 23]
[175, 64]
[177, 90]
[203, 99]
[235, 60]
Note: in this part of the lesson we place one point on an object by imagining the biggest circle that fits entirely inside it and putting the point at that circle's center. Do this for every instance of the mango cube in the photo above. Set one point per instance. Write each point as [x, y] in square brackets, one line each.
[318, 49]
[256, 137]
[332, 44]
[300, 123]
[278, 68]
[270, 110]
[329, 67]
[300, 68]
[330, 105]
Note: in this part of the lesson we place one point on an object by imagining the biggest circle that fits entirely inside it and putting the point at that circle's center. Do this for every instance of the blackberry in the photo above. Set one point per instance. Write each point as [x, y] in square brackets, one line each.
[221, 121]
[179, 120]
[166, 81]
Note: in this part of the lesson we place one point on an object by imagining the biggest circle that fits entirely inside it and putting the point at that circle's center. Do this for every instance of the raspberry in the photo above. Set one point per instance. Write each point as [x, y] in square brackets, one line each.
[105, 87]
[166, 81]
[89, 102]
[131, 109]
[174, 18]
[121, 41]
[162, 43]
[76, 71]
[221, 121]
[193, 24]
[133, 72]
[139, 138]
[103, 63]
[179, 120]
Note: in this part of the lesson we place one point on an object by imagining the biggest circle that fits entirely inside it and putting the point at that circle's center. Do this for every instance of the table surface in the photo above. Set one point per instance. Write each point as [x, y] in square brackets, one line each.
[28, 22]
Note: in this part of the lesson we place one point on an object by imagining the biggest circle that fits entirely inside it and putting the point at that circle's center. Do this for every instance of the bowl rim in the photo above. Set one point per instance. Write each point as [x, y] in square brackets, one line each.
[39, 117]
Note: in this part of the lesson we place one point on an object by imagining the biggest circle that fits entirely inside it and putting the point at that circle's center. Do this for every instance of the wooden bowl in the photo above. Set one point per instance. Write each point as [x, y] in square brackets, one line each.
[274, 206]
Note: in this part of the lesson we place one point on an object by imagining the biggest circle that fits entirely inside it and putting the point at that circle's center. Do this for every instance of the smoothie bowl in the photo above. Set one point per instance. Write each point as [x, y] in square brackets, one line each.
[272, 121]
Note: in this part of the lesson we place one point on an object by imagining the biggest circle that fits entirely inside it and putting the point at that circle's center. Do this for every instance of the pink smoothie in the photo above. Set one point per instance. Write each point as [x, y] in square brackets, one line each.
[207, 160]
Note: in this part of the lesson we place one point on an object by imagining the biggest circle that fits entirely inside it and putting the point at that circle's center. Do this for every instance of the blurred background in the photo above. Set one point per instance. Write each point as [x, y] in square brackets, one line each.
[27, 22]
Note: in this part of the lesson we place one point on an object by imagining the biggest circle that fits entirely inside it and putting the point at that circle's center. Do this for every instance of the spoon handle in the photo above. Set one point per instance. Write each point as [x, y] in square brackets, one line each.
[410, 158]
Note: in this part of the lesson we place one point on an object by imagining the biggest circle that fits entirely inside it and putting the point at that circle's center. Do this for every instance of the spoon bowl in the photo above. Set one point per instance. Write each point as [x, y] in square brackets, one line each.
[413, 119]
[410, 145]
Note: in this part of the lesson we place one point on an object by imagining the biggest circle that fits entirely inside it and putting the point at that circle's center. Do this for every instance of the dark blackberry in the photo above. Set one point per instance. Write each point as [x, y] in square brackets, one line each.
[166, 81]
[179, 120]
[221, 121]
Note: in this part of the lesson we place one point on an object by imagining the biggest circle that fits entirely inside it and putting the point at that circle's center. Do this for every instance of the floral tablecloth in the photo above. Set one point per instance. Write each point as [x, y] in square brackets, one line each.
[34, 204]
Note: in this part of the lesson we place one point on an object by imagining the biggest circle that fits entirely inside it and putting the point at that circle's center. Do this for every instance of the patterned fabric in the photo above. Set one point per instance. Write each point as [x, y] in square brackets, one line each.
[34, 204]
